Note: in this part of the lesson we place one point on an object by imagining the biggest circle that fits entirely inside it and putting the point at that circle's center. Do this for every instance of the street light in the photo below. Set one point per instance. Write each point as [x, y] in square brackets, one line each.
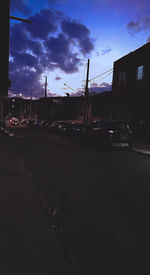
[20, 19]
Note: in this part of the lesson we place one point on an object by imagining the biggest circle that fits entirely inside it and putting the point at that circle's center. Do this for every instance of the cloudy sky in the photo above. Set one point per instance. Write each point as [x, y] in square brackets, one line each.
[64, 34]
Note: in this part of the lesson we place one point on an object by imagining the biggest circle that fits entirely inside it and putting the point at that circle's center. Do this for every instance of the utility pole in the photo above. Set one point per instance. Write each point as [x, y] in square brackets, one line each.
[4, 30]
[4, 64]
[31, 96]
[86, 98]
[46, 86]
[30, 106]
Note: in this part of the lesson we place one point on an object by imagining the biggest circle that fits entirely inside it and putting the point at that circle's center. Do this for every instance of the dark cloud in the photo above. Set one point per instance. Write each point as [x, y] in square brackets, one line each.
[78, 93]
[43, 24]
[148, 40]
[79, 32]
[42, 46]
[68, 62]
[94, 89]
[74, 29]
[35, 47]
[106, 51]
[25, 59]
[52, 94]
[97, 89]
[20, 41]
[18, 37]
[19, 5]
[137, 26]
[58, 45]
[58, 78]
[26, 81]
[56, 1]
[94, 84]
[86, 45]
[60, 54]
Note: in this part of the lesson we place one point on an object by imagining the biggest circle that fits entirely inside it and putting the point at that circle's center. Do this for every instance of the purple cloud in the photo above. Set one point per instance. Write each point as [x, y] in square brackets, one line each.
[97, 89]
[19, 5]
[106, 51]
[43, 24]
[58, 78]
[148, 40]
[18, 37]
[74, 29]
[44, 46]
[20, 40]
[137, 26]
[58, 45]
[56, 1]
[94, 89]
[26, 82]
[79, 32]
[60, 54]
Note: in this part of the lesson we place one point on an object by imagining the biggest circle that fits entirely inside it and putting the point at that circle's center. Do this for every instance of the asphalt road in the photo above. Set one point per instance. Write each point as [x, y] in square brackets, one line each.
[100, 202]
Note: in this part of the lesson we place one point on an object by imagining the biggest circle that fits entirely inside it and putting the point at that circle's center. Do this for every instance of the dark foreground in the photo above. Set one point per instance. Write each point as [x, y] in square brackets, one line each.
[86, 211]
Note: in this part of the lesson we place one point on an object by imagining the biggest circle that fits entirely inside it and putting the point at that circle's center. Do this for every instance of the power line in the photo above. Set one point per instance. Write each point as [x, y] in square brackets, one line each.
[103, 77]
[69, 87]
[101, 74]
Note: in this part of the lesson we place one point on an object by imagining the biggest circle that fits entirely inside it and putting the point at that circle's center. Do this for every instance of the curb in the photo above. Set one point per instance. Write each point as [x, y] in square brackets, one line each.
[142, 152]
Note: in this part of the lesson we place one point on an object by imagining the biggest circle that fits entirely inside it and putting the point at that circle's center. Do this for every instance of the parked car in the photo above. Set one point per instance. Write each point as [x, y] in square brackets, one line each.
[110, 133]
[36, 124]
[58, 127]
[31, 123]
[46, 124]
[24, 122]
[75, 130]
[14, 121]
[4, 132]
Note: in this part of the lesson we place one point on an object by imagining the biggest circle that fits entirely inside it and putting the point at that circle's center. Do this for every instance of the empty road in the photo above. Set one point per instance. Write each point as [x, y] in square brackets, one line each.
[98, 202]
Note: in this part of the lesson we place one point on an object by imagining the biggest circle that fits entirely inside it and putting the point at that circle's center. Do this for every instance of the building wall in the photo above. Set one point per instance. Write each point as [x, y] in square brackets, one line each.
[131, 86]
[132, 96]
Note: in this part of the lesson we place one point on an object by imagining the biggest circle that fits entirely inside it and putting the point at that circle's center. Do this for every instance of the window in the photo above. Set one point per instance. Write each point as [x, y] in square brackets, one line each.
[140, 72]
[122, 77]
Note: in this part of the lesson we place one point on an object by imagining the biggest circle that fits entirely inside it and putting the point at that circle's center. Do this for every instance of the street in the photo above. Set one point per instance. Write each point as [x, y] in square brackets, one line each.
[97, 202]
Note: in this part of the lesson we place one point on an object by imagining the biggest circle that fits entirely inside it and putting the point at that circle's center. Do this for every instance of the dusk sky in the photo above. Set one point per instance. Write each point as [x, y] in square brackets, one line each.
[64, 34]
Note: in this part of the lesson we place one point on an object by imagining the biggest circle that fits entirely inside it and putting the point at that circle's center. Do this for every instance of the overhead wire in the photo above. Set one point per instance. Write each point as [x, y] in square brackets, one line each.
[101, 74]
[101, 78]
[104, 76]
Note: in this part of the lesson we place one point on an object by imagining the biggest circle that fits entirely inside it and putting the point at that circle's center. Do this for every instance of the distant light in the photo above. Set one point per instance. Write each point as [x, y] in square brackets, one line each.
[13, 100]
[13, 106]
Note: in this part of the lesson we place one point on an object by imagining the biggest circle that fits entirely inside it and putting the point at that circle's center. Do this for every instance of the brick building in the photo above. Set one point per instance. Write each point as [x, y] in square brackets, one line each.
[131, 88]
[131, 75]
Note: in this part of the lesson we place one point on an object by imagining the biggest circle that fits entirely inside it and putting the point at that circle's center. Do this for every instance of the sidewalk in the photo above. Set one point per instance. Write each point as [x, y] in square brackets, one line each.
[28, 242]
[142, 147]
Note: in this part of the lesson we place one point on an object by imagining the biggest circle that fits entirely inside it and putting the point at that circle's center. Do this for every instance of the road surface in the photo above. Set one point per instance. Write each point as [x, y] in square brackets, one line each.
[98, 202]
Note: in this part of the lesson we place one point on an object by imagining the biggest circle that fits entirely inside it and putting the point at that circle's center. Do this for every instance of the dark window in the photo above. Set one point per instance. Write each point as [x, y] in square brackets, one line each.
[140, 72]
[122, 77]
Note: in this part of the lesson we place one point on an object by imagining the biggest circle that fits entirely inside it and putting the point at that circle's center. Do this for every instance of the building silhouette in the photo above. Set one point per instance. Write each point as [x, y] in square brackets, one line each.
[131, 89]
[131, 75]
